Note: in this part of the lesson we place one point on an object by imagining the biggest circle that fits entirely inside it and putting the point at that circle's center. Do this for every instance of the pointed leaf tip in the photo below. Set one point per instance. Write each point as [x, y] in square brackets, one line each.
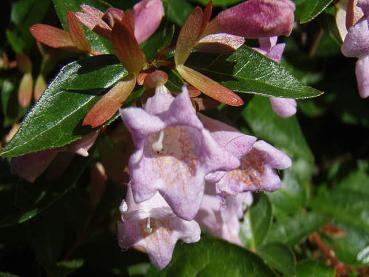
[189, 36]
[51, 36]
[109, 104]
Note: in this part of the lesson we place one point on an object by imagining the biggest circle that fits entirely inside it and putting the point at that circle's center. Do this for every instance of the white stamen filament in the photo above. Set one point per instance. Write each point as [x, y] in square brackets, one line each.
[148, 225]
[157, 146]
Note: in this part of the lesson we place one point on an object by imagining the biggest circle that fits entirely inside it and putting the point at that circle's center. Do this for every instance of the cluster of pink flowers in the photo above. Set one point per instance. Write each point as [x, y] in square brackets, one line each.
[188, 171]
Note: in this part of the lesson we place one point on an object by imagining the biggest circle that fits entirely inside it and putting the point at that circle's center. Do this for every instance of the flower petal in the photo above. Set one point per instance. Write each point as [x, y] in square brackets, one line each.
[148, 15]
[209, 87]
[109, 104]
[362, 77]
[82, 146]
[152, 227]
[31, 166]
[356, 43]
[283, 107]
[255, 19]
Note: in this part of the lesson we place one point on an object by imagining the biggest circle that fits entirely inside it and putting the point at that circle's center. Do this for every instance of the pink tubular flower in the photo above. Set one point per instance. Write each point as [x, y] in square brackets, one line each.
[174, 152]
[147, 17]
[255, 19]
[269, 47]
[356, 44]
[151, 226]
[220, 214]
[259, 161]
[31, 166]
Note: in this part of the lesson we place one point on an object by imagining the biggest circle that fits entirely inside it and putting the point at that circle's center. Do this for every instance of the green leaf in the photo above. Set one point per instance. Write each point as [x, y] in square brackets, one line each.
[260, 219]
[7, 274]
[24, 201]
[280, 257]
[248, 71]
[282, 133]
[177, 11]
[292, 196]
[294, 229]
[344, 205]
[211, 257]
[313, 268]
[62, 7]
[307, 10]
[56, 118]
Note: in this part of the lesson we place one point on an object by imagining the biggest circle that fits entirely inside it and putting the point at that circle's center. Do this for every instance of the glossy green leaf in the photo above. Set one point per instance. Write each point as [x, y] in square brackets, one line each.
[177, 10]
[248, 71]
[62, 7]
[56, 119]
[307, 10]
[292, 196]
[24, 201]
[282, 133]
[280, 257]
[211, 257]
[294, 229]
[344, 205]
[260, 219]
[313, 268]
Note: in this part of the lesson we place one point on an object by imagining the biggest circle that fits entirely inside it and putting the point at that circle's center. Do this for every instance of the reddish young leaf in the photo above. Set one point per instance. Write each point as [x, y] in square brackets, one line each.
[40, 87]
[155, 79]
[353, 13]
[51, 36]
[109, 104]
[189, 36]
[76, 33]
[25, 90]
[206, 16]
[126, 46]
[209, 87]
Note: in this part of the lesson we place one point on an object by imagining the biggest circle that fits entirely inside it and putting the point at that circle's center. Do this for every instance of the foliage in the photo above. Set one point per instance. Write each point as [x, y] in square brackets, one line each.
[65, 224]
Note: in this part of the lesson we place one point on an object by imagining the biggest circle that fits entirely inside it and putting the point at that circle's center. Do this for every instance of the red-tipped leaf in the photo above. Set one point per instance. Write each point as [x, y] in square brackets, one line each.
[77, 34]
[209, 87]
[109, 104]
[51, 36]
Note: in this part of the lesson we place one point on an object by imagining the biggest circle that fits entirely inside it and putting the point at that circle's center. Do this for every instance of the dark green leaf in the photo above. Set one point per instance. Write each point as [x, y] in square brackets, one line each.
[177, 10]
[292, 230]
[25, 201]
[292, 196]
[62, 7]
[344, 205]
[7, 274]
[313, 268]
[282, 133]
[260, 219]
[248, 71]
[307, 10]
[211, 257]
[56, 118]
[280, 257]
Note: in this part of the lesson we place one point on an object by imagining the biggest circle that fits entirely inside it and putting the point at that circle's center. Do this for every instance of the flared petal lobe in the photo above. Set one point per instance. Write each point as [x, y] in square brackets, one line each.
[362, 76]
[152, 227]
[174, 152]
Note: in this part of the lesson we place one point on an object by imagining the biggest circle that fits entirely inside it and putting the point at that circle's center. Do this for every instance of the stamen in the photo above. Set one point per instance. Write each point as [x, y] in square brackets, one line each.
[157, 146]
[148, 228]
